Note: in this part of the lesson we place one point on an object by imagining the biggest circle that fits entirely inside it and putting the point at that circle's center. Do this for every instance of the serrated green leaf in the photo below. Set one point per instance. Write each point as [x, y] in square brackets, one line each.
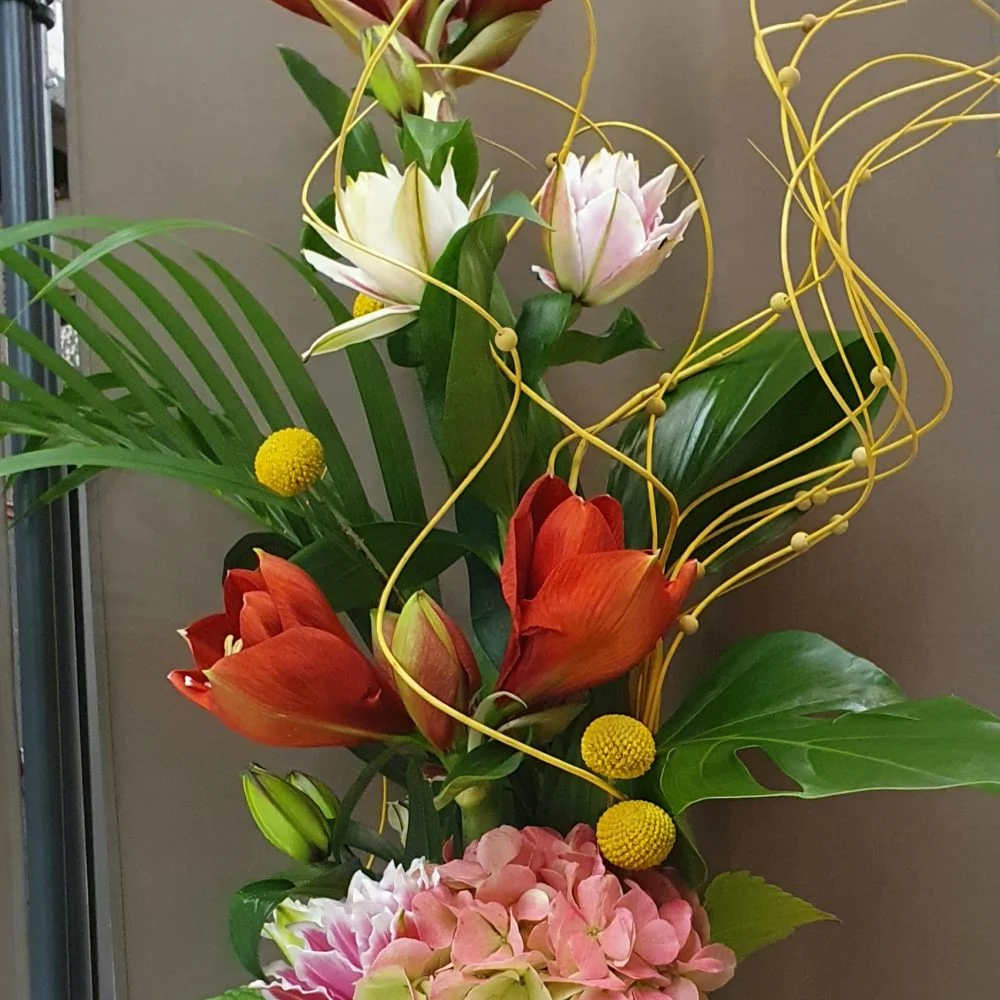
[834, 723]
[747, 914]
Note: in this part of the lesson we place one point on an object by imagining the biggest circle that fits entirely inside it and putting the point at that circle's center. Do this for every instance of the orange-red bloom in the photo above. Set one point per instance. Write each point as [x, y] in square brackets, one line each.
[431, 648]
[279, 668]
[304, 8]
[584, 609]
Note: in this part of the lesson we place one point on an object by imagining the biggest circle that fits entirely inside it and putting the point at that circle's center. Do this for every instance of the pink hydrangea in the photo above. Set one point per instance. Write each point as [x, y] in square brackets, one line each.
[523, 915]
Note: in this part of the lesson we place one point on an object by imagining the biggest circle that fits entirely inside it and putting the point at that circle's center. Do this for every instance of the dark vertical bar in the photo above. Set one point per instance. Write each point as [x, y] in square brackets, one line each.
[46, 630]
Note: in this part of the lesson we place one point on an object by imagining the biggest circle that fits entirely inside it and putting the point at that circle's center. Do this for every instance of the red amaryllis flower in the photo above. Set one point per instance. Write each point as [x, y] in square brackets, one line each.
[304, 8]
[279, 668]
[584, 609]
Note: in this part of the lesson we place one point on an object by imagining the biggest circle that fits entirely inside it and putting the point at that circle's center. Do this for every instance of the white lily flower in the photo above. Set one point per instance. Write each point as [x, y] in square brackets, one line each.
[405, 218]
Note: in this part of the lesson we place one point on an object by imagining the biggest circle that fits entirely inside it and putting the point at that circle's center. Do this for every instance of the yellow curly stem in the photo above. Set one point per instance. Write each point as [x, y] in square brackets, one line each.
[827, 210]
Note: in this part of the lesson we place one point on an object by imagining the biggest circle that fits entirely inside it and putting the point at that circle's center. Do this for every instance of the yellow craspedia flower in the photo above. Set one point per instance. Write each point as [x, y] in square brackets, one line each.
[290, 461]
[618, 746]
[635, 835]
[364, 305]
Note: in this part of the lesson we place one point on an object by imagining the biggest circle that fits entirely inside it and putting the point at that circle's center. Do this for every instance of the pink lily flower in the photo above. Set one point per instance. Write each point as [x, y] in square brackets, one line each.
[607, 233]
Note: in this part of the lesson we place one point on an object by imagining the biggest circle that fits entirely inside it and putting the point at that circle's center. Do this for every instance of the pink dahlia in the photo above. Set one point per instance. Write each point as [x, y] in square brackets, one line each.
[329, 945]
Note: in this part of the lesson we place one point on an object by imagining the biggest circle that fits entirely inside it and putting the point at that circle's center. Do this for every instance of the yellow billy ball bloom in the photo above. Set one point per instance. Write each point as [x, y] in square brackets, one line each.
[635, 835]
[365, 305]
[618, 746]
[289, 462]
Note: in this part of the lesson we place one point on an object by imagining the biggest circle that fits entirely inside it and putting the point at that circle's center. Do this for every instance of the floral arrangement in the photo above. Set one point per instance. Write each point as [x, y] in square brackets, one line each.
[533, 842]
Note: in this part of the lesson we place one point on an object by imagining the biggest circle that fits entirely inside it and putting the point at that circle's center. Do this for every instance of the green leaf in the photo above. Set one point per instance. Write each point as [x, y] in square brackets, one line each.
[352, 569]
[625, 334]
[364, 838]
[385, 419]
[243, 554]
[457, 374]
[338, 834]
[428, 144]
[747, 914]
[762, 402]
[362, 151]
[832, 722]
[253, 905]
[517, 205]
[542, 323]
[303, 391]
[207, 475]
[424, 838]
[560, 800]
[244, 993]
[489, 761]
[249, 910]
[490, 614]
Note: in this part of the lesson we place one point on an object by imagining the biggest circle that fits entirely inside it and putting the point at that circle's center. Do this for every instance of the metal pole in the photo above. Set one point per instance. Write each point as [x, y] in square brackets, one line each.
[46, 630]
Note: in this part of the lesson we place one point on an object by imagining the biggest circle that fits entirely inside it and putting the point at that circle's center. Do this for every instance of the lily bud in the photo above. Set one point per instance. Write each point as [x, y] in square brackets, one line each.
[432, 650]
[495, 44]
[320, 792]
[287, 817]
[395, 81]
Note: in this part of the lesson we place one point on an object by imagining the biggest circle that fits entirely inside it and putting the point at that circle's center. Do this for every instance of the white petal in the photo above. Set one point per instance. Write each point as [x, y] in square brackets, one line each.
[562, 241]
[673, 232]
[654, 193]
[369, 327]
[546, 277]
[481, 202]
[351, 277]
[612, 234]
[438, 217]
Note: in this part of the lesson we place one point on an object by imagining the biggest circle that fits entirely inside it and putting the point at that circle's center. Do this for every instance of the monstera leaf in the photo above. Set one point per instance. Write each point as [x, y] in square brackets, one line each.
[832, 722]
[764, 401]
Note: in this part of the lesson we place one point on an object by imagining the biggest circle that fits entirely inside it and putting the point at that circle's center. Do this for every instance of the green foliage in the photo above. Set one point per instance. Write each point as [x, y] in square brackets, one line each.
[244, 993]
[253, 905]
[488, 762]
[765, 400]
[429, 144]
[560, 800]
[832, 722]
[243, 555]
[351, 569]
[747, 914]
[625, 334]
[362, 151]
[424, 835]
[457, 375]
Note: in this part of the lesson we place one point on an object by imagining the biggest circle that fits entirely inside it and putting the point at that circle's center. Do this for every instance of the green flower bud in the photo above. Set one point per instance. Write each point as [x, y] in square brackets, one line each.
[320, 792]
[288, 818]
[395, 81]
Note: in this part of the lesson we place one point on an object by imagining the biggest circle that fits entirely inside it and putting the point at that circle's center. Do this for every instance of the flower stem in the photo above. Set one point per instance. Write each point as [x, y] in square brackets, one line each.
[480, 811]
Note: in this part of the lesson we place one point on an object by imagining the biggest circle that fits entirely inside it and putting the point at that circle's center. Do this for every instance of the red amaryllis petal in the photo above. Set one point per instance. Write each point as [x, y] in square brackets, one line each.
[612, 512]
[194, 686]
[303, 688]
[259, 619]
[303, 8]
[237, 583]
[297, 598]
[483, 12]
[574, 528]
[206, 638]
[541, 499]
[595, 617]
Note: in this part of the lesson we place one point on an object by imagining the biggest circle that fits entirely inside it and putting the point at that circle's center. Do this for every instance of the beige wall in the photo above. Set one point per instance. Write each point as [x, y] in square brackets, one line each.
[182, 108]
